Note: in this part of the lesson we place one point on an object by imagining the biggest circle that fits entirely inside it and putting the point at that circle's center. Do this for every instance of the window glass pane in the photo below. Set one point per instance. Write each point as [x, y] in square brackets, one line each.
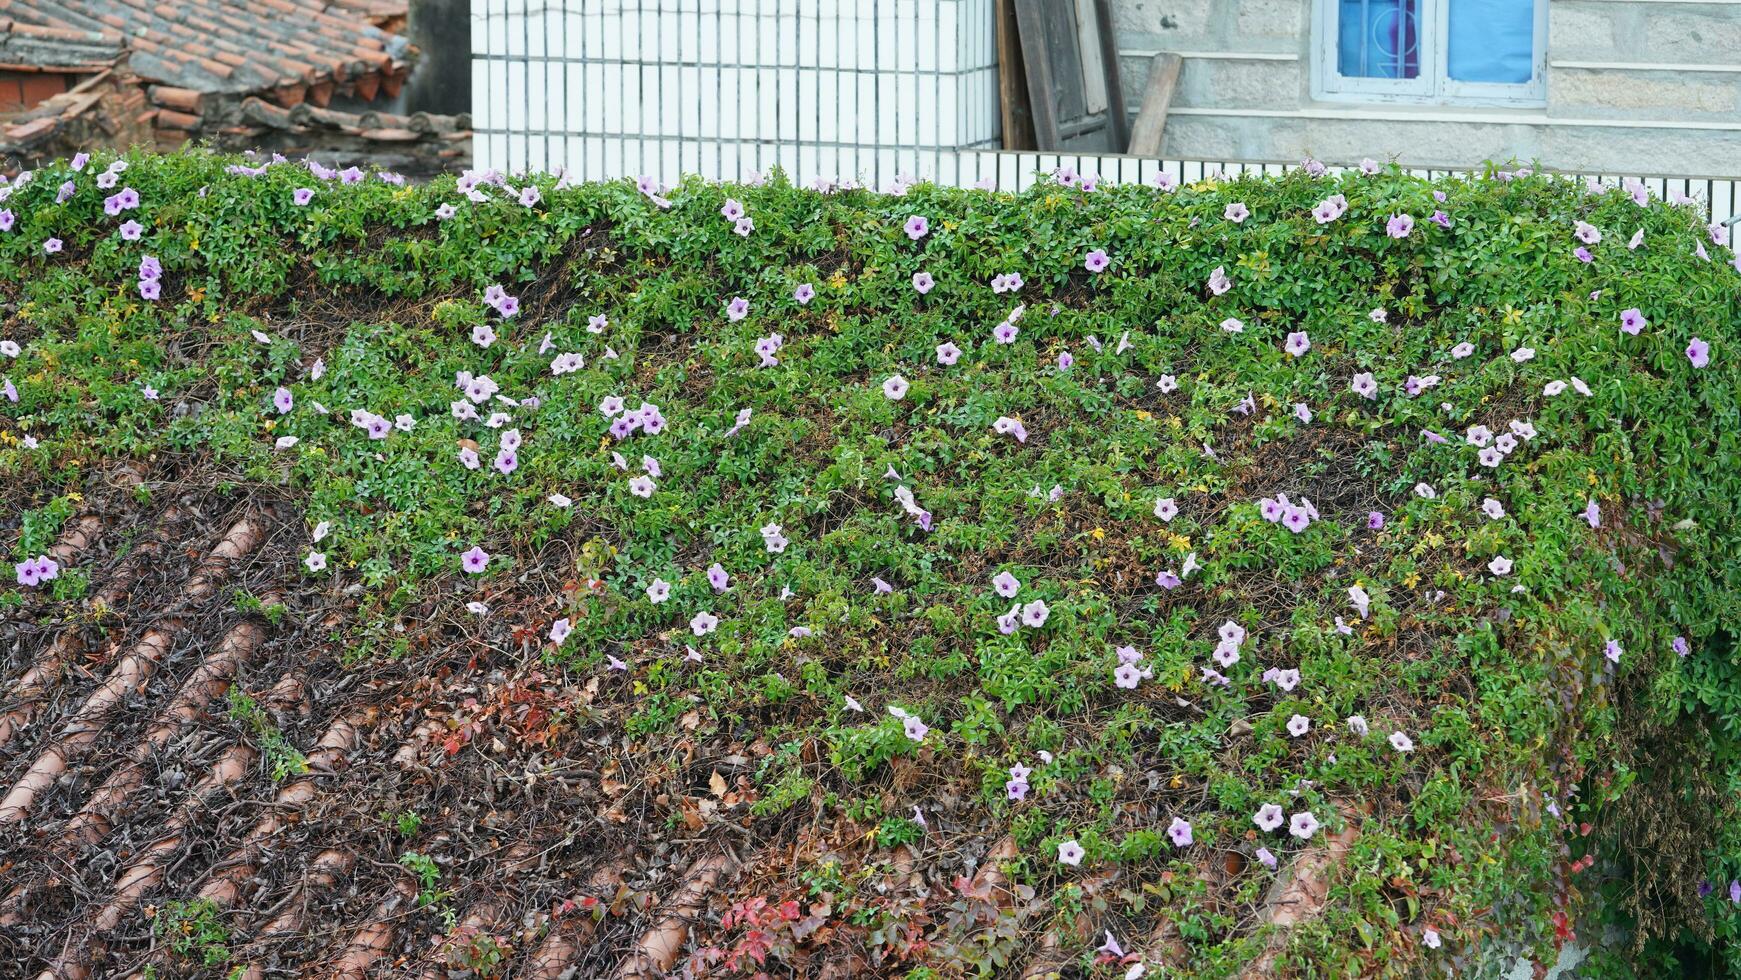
[1378, 39]
[1492, 41]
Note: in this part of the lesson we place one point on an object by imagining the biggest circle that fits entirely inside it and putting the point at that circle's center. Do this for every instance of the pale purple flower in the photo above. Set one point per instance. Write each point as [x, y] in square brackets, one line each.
[922, 282]
[1012, 427]
[283, 400]
[1126, 676]
[1268, 817]
[131, 230]
[1218, 281]
[732, 210]
[1236, 212]
[1401, 742]
[1096, 261]
[948, 353]
[1680, 646]
[315, 561]
[1034, 614]
[1430, 937]
[718, 577]
[743, 226]
[914, 728]
[1005, 333]
[1362, 601]
[1299, 725]
[150, 289]
[1365, 385]
[1006, 585]
[917, 227]
[1298, 343]
[737, 309]
[1071, 853]
[1265, 858]
[1587, 233]
[1180, 831]
[1357, 725]
[1233, 325]
[559, 631]
[1166, 508]
[51, 246]
[1399, 225]
[1593, 513]
[642, 487]
[475, 560]
[895, 388]
[301, 196]
[1374, 521]
[1303, 825]
[658, 591]
[703, 623]
[1698, 352]
[1612, 651]
[804, 294]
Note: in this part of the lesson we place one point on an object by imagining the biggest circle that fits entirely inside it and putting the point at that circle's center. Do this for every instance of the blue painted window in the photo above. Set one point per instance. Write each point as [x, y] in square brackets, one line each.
[1378, 39]
[1491, 41]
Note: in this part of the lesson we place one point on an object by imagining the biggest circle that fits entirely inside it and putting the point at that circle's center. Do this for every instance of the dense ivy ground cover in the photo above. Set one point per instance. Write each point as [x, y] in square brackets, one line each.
[1168, 530]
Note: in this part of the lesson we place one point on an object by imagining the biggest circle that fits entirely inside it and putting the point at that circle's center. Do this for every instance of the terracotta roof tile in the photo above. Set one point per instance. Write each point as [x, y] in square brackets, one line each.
[212, 46]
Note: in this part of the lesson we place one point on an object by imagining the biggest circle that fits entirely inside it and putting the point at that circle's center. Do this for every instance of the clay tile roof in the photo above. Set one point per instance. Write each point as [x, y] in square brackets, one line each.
[208, 46]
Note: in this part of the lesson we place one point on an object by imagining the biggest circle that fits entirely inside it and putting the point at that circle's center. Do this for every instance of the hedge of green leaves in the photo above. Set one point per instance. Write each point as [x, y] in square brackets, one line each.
[1451, 551]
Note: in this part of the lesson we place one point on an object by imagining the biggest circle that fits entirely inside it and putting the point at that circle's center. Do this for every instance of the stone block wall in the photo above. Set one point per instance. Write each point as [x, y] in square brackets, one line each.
[1639, 87]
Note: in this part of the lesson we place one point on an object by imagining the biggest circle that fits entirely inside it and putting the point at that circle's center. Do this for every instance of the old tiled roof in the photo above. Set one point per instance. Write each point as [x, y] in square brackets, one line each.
[209, 46]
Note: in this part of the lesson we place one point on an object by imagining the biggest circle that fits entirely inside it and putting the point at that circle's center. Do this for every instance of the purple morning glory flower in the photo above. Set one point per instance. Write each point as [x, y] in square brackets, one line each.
[922, 282]
[52, 246]
[150, 289]
[283, 400]
[1698, 352]
[948, 353]
[1218, 281]
[1298, 343]
[718, 577]
[1374, 521]
[917, 227]
[1680, 647]
[804, 294]
[131, 230]
[1236, 212]
[1632, 321]
[1096, 261]
[1399, 226]
[475, 560]
[1582, 254]
[1005, 332]
[301, 196]
[1180, 831]
[737, 309]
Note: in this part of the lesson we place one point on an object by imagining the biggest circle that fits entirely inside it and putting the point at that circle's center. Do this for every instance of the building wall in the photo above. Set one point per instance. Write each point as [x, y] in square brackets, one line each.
[21, 90]
[1633, 86]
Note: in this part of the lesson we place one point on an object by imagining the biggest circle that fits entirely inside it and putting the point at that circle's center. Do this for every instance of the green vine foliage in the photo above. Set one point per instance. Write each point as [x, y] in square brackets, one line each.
[1528, 661]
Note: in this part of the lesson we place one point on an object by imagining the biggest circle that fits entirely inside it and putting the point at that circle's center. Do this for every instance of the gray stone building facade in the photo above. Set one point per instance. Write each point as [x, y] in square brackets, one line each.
[1617, 86]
